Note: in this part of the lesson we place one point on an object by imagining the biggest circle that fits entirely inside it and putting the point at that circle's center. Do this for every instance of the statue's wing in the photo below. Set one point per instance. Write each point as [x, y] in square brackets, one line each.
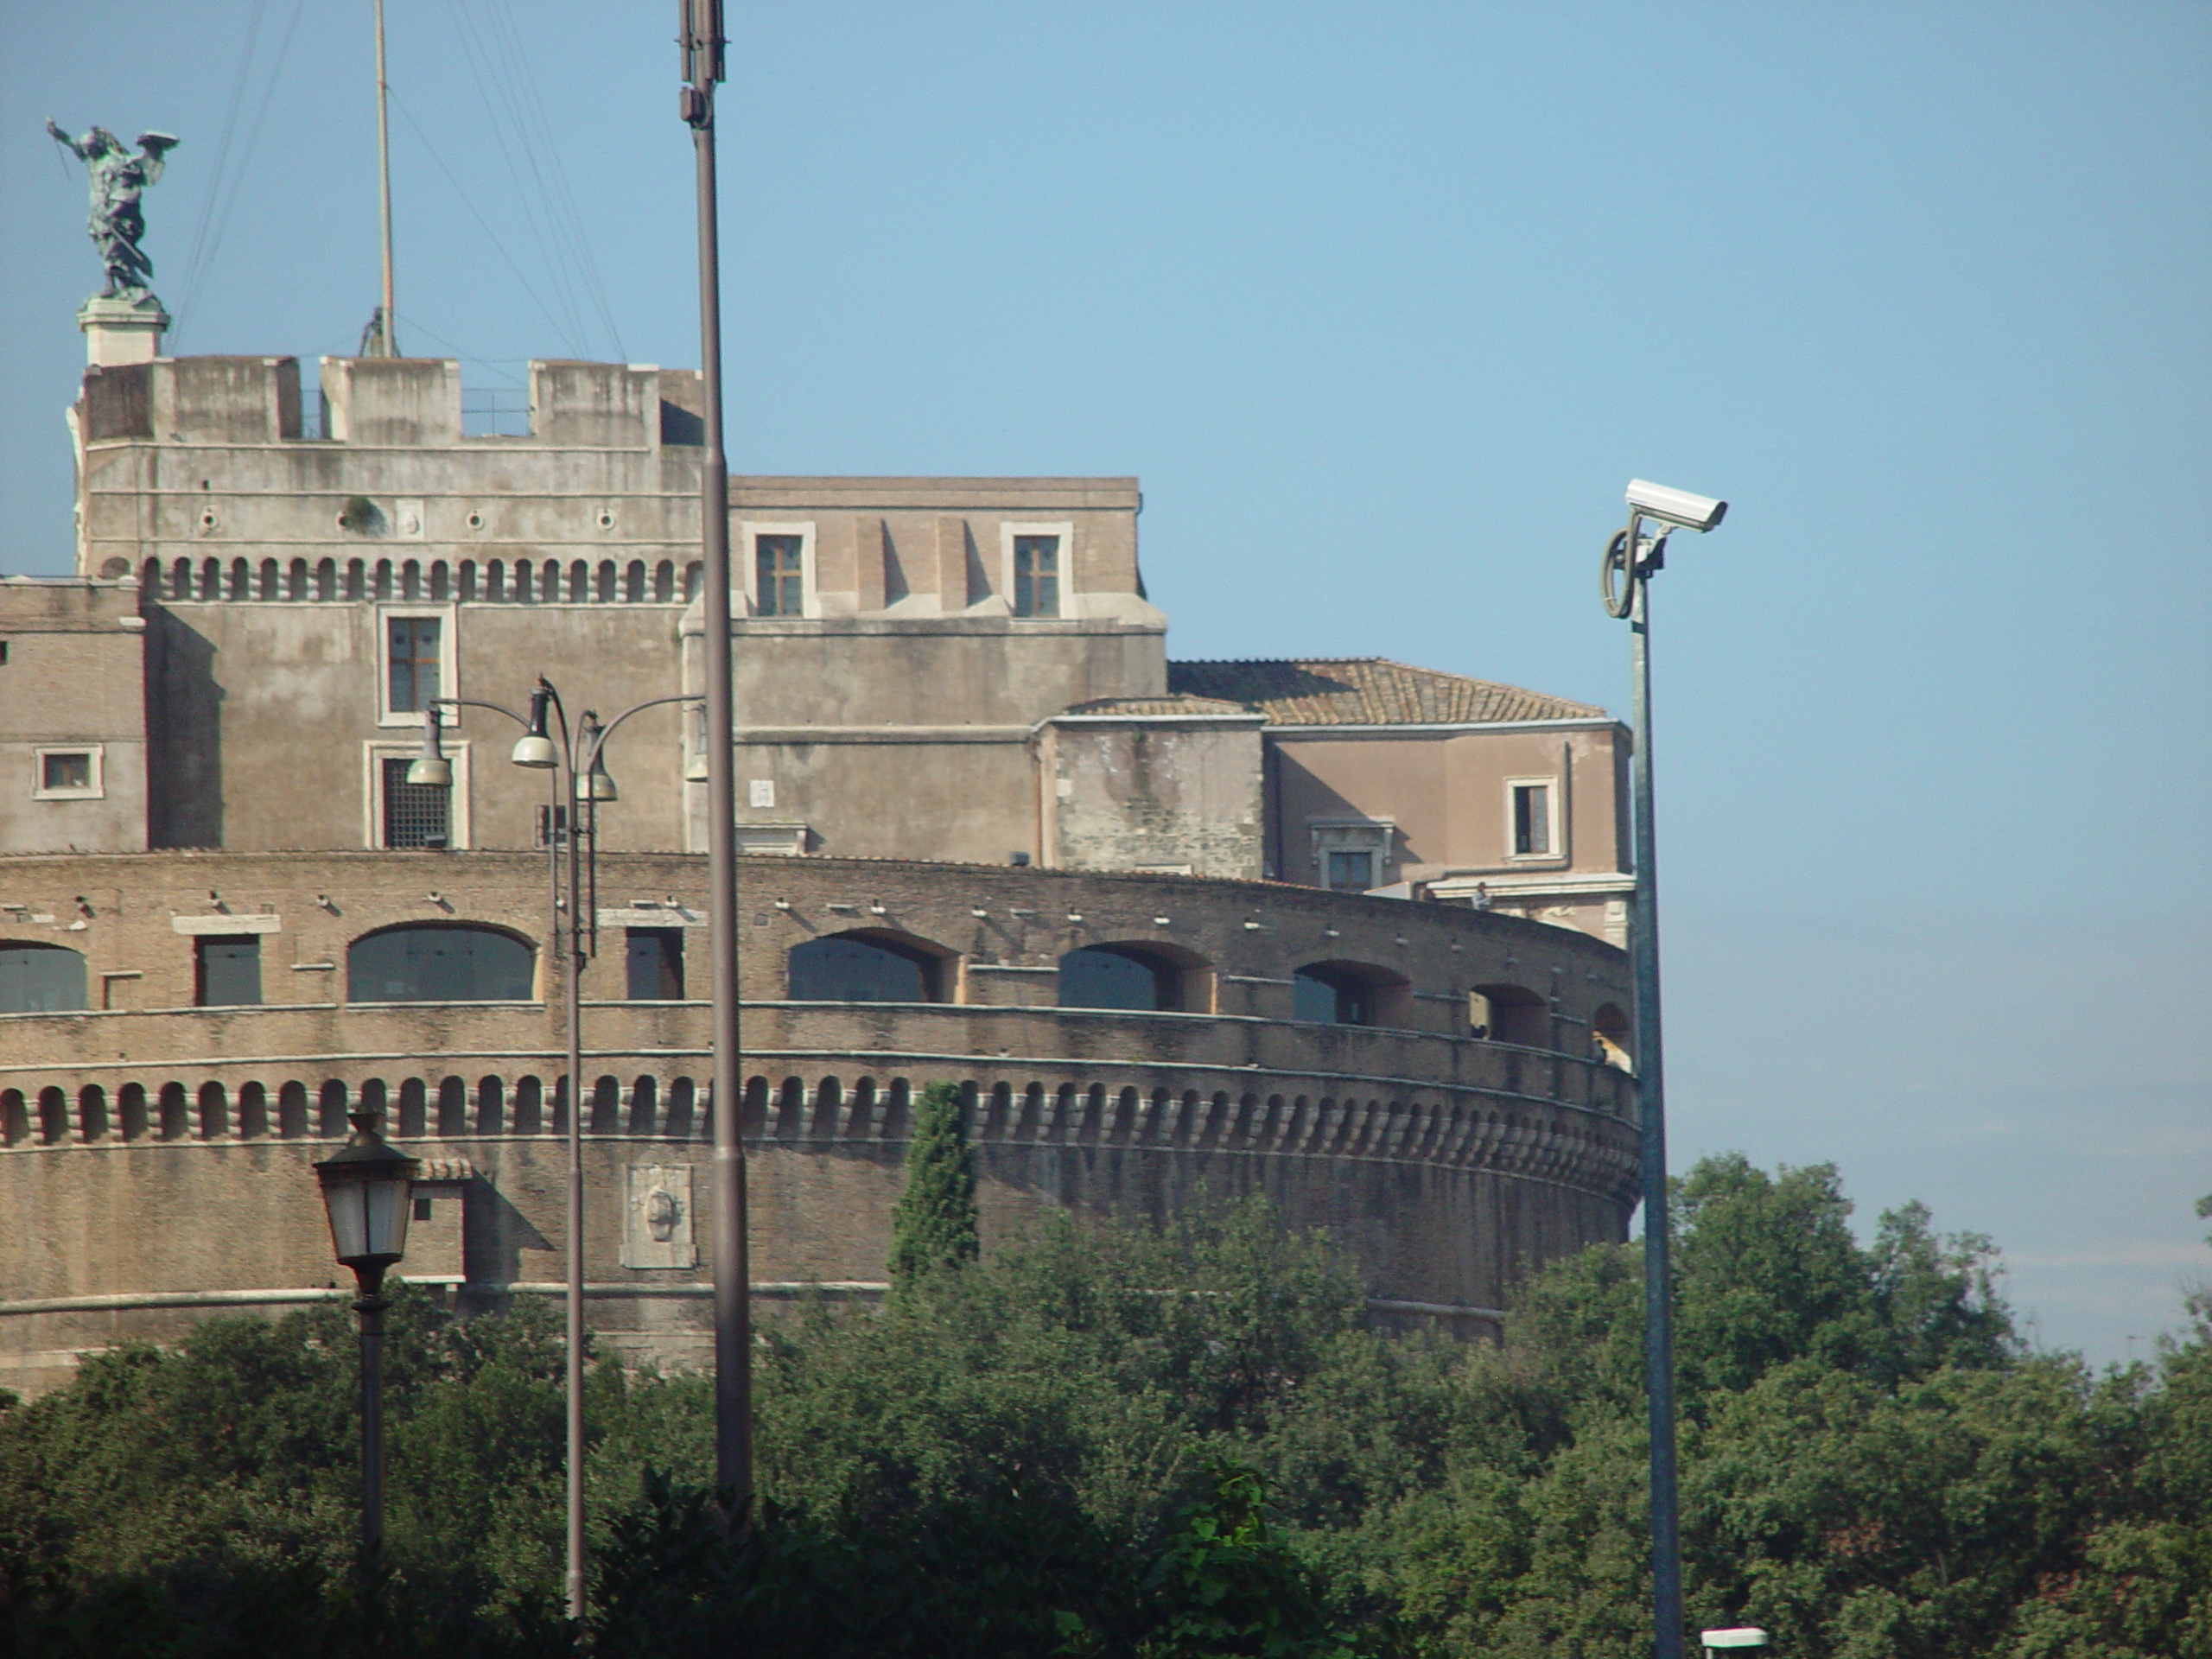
[155, 142]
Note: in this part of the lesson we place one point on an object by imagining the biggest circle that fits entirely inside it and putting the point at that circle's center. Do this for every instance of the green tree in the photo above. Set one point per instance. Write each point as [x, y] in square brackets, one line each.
[933, 1226]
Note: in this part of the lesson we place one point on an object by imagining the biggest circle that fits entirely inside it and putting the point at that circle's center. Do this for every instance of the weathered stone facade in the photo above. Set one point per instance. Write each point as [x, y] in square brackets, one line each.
[1172, 927]
[157, 1158]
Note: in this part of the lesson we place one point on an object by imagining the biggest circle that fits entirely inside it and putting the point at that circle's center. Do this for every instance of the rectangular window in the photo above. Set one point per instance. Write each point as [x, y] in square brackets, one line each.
[1036, 575]
[228, 972]
[415, 814]
[60, 771]
[1350, 872]
[411, 664]
[71, 774]
[1532, 820]
[656, 958]
[779, 574]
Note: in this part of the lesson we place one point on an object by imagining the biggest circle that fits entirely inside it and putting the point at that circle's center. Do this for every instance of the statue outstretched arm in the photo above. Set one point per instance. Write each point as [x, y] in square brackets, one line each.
[66, 141]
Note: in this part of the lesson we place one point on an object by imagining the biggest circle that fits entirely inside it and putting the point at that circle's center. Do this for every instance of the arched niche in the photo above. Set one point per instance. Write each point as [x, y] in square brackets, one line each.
[1143, 977]
[1510, 1013]
[39, 978]
[439, 962]
[1350, 994]
[867, 965]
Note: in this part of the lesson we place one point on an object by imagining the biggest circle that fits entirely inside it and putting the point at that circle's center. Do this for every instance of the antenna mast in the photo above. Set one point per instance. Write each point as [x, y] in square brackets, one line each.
[387, 337]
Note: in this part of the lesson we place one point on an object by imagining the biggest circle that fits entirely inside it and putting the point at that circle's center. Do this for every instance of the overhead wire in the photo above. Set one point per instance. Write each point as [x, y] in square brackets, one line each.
[510, 120]
[222, 217]
[189, 289]
[504, 16]
[573, 339]
[498, 63]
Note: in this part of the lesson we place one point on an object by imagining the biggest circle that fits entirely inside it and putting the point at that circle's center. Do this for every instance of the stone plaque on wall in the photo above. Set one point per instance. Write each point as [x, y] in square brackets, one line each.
[657, 1230]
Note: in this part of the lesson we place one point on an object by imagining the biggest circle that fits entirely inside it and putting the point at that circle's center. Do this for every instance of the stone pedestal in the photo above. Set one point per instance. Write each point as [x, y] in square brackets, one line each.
[122, 330]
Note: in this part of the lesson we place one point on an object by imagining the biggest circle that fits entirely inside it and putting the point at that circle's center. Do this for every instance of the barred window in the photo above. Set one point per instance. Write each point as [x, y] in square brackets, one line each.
[415, 814]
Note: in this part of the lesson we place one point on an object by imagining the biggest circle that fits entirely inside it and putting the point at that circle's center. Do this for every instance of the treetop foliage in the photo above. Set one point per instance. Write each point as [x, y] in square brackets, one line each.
[1181, 1441]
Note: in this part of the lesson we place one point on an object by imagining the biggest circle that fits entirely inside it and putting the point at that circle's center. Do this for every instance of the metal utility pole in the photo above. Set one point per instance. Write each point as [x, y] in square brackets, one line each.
[702, 42]
[383, 191]
[1634, 558]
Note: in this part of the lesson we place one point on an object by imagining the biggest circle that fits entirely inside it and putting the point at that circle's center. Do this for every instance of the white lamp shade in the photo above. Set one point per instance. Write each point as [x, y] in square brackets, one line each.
[1741, 1636]
[368, 1219]
[694, 769]
[536, 750]
[429, 769]
[597, 785]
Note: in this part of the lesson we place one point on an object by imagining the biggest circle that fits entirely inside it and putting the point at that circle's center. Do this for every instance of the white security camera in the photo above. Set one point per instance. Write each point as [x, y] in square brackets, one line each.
[1676, 507]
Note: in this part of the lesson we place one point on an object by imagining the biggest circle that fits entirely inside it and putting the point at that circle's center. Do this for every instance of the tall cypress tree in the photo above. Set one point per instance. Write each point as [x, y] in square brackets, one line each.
[934, 1225]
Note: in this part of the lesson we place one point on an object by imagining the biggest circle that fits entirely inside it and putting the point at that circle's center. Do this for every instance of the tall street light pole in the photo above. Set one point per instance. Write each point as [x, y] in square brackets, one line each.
[702, 42]
[581, 782]
[1632, 558]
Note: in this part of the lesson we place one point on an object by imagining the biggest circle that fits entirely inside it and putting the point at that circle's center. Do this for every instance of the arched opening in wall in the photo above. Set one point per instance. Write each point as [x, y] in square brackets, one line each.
[633, 587]
[453, 1108]
[241, 579]
[530, 1106]
[695, 581]
[130, 1111]
[644, 1099]
[467, 577]
[1510, 1013]
[269, 580]
[867, 965]
[179, 582]
[1147, 978]
[91, 1113]
[491, 1107]
[579, 581]
[214, 1112]
[439, 962]
[357, 579]
[556, 1115]
[292, 1111]
[253, 1112]
[296, 585]
[15, 1118]
[607, 581]
[495, 583]
[665, 582]
[605, 1107]
[53, 1117]
[40, 979]
[326, 580]
[1609, 1033]
[383, 575]
[410, 581]
[210, 581]
[330, 1113]
[370, 1097]
[1350, 994]
[683, 1107]
[413, 1108]
[898, 1110]
[549, 581]
[440, 581]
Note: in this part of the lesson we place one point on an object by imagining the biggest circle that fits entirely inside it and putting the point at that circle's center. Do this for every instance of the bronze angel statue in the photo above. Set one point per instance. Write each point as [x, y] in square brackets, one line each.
[117, 222]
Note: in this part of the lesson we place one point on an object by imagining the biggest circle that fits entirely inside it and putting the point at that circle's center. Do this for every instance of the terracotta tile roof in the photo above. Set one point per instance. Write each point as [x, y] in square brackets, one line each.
[1366, 692]
[1153, 707]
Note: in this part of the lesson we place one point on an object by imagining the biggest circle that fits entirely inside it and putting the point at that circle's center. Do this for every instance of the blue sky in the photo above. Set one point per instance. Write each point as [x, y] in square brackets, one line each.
[1384, 304]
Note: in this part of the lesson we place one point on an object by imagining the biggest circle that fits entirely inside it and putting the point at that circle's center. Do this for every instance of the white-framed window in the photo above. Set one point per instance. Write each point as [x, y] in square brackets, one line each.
[73, 771]
[1037, 568]
[777, 564]
[1533, 821]
[416, 662]
[1351, 854]
[401, 817]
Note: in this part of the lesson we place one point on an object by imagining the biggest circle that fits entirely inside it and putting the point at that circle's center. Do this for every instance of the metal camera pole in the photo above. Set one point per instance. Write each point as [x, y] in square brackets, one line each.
[1634, 558]
[702, 23]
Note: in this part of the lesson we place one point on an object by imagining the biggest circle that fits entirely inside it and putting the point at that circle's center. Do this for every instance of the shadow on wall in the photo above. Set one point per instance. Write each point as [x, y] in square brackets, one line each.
[184, 736]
